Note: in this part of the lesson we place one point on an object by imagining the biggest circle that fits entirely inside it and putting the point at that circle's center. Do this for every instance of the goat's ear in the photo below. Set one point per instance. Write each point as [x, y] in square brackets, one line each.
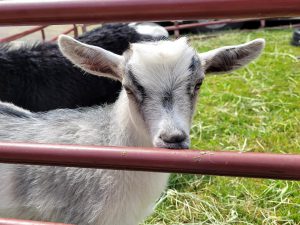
[225, 59]
[94, 60]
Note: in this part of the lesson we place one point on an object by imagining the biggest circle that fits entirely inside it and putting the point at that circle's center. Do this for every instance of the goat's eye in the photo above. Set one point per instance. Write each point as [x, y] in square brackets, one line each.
[198, 85]
[128, 91]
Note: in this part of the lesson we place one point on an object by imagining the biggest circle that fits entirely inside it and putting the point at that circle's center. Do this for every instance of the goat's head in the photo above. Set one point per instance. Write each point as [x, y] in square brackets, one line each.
[161, 80]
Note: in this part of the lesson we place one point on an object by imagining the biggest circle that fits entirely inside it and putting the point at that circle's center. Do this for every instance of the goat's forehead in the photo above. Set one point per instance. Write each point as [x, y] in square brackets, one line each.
[161, 52]
[161, 60]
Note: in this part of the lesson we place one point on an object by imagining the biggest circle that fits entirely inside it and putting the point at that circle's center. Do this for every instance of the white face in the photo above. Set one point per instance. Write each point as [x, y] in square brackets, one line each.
[161, 80]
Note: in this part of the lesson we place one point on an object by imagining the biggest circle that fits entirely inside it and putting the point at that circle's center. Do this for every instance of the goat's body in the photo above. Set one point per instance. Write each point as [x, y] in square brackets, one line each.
[79, 196]
[155, 107]
[39, 78]
[73, 195]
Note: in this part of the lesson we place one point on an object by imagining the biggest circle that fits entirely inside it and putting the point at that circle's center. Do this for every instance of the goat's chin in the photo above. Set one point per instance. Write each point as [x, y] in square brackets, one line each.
[184, 145]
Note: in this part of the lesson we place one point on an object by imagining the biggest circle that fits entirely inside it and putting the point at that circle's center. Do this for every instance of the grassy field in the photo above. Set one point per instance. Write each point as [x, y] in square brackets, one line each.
[253, 109]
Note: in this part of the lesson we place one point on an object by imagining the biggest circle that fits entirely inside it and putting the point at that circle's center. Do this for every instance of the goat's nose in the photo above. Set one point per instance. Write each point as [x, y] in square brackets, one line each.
[177, 137]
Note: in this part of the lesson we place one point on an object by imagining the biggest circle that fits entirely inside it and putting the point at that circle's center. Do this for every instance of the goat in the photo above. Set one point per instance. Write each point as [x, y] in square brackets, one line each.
[39, 78]
[160, 83]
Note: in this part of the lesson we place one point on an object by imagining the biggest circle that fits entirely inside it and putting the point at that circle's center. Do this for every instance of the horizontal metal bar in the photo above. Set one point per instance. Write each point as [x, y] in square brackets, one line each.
[296, 25]
[7, 221]
[260, 165]
[89, 11]
[22, 34]
[201, 24]
[65, 32]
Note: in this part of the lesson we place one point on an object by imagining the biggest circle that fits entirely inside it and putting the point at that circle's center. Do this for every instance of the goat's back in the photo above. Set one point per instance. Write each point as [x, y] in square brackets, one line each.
[39, 78]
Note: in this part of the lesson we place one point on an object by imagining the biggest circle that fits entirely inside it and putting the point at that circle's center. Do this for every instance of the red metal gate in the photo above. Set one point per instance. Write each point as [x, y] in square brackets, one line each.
[47, 12]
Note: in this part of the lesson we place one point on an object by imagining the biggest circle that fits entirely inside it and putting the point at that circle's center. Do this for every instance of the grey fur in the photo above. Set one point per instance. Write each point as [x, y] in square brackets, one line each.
[102, 197]
[12, 110]
[68, 195]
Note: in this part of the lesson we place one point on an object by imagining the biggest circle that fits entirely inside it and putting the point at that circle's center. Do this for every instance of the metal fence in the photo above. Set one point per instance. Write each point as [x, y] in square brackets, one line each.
[38, 29]
[262, 165]
[91, 11]
[258, 165]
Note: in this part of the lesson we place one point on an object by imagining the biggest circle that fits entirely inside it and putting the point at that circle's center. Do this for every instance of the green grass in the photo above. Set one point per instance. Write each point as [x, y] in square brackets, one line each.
[253, 109]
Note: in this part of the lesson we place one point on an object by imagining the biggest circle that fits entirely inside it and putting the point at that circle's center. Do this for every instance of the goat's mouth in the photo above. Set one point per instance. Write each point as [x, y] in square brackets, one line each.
[173, 145]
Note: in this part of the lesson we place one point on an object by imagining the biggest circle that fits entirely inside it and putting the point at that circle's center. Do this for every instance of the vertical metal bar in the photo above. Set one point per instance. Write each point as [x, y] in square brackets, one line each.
[176, 31]
[262, 23]
[75, 30]
[43, 34]
[83, 28]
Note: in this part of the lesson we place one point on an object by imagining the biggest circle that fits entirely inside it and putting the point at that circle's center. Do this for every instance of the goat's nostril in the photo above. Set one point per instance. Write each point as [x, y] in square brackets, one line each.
[177, 138]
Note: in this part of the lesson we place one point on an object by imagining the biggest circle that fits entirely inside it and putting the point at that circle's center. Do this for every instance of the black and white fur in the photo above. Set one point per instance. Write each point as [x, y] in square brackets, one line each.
[39, 78]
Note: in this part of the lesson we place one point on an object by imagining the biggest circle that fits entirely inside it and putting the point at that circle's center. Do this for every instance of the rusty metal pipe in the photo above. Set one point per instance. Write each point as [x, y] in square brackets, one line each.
[259, 165]
[22, 34]
[66, 32]
[201, 24]
[43, 34]
[75, 30]
[8, 221]
[88, 11]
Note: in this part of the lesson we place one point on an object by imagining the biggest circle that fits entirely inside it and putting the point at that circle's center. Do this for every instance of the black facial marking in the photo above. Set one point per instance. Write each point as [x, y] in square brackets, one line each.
[189, 88]
[167, 100]
[137, 85]
[193, 68]
[193, 90]
[194, 64]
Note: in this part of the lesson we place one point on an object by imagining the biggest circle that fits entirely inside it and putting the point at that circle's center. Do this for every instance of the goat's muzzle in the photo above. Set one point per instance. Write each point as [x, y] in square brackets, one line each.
[172, 140]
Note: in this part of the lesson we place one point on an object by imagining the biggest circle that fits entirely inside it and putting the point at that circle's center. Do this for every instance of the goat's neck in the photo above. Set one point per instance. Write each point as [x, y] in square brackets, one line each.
[128, 129]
